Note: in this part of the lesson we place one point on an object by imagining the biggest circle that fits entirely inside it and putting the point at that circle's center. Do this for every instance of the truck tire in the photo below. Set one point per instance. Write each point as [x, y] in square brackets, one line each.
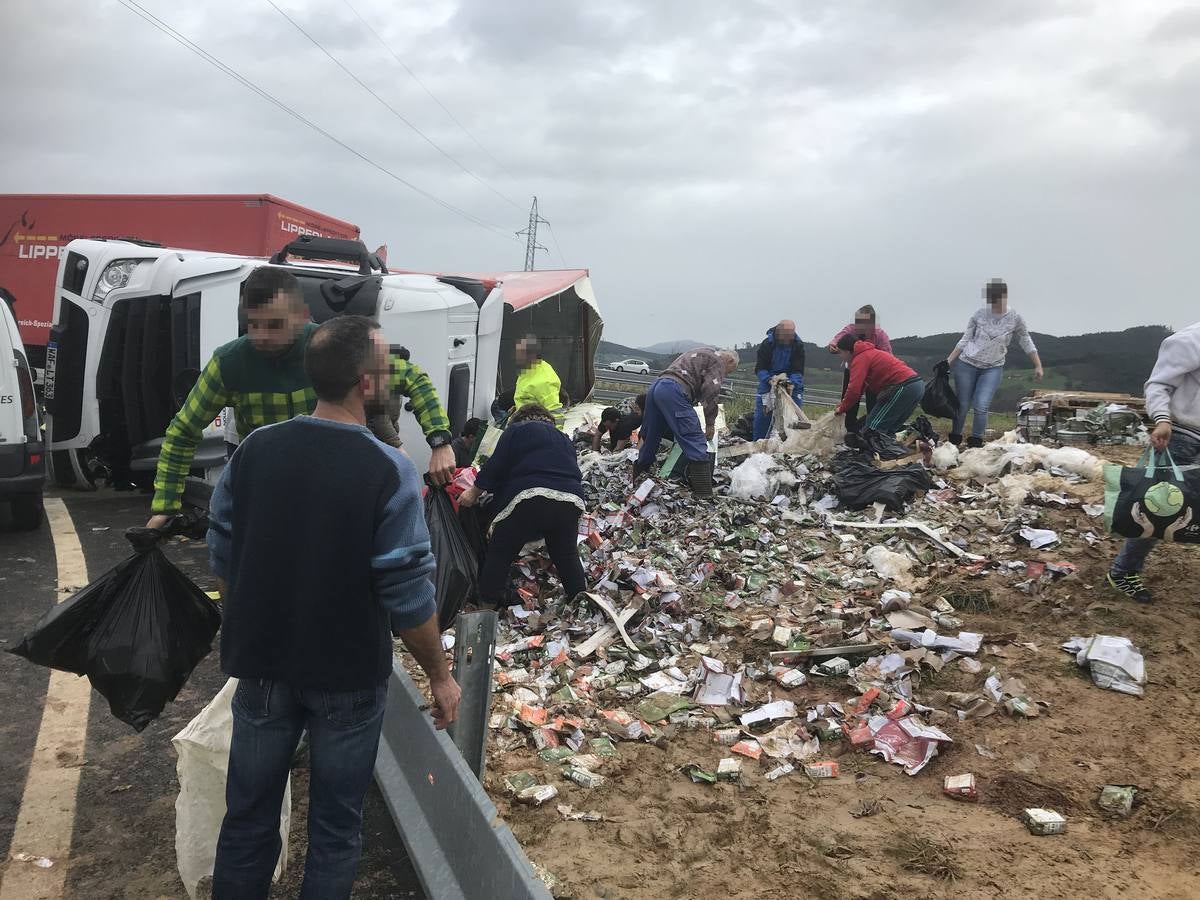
[70, 469]
[27, 511]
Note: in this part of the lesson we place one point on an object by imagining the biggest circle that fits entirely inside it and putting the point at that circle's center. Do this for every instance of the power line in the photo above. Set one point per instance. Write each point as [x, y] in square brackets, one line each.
[554, 237]
[395, 112]
[184, 41]
[432, 96]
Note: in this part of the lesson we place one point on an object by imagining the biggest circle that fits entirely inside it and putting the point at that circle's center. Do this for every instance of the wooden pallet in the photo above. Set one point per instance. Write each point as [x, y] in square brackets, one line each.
[1085, 399]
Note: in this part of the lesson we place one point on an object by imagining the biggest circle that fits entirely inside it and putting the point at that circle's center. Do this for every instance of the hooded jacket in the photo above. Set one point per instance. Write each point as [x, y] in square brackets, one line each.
[1173, 389]
[874, 370]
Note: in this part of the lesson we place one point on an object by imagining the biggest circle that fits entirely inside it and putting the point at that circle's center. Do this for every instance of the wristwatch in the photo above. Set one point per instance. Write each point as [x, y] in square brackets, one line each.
[438, 439]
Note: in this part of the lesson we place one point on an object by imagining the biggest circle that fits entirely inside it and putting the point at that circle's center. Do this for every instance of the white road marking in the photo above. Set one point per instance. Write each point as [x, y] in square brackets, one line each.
[46, 820]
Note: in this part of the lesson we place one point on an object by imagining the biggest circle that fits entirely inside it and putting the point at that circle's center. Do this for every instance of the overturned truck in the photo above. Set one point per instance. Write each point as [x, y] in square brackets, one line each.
[134, 325]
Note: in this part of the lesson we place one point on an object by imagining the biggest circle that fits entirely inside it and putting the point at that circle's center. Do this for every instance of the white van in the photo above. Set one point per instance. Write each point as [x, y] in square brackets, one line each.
[22, 452]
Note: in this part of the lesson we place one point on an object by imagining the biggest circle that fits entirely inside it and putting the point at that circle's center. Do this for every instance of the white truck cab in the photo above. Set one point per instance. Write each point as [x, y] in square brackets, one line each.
[134, 325]
[22, 452]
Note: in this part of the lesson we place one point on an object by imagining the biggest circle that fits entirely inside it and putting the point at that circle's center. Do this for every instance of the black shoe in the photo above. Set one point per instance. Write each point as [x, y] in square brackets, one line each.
[955, 439]
[1131, 586]
[973, 441]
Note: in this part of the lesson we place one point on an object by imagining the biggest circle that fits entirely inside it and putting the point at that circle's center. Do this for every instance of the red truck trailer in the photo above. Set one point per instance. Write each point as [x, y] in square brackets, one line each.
[34, 228]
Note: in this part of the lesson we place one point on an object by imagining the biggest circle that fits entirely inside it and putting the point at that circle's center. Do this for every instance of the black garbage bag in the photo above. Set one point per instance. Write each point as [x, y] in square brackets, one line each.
[876, 443]
[474, 524]
[859, 484]
[744, 427]
[939, 399]
[136, 632]
[924, 428]
[457, 578]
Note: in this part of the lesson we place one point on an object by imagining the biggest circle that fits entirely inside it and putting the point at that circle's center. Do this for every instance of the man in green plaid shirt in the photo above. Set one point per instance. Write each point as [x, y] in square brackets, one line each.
[261, 375]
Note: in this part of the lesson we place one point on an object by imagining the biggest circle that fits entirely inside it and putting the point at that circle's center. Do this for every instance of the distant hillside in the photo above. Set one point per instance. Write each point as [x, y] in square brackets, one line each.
[1117, 361]
[669, 348]
[608, 352]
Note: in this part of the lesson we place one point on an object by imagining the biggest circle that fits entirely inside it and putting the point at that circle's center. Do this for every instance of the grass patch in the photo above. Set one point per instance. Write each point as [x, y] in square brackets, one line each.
[968, 600]
[918, 853]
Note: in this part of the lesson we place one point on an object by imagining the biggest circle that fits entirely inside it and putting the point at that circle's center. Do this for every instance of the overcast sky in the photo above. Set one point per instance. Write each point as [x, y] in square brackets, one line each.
[716, 165]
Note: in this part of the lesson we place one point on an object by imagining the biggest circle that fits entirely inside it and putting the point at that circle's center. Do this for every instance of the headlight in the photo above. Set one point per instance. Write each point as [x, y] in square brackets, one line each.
[117, 274]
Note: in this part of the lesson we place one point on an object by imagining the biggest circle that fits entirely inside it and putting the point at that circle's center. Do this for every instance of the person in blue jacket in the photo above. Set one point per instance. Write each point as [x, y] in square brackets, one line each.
[782, 353]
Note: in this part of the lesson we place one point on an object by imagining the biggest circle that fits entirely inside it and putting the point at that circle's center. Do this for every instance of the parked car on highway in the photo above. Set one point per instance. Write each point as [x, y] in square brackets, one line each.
[637, 366]
[22, 452]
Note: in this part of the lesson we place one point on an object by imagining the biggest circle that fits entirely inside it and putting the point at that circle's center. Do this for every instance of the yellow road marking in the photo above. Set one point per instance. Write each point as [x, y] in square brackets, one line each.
[46, 819]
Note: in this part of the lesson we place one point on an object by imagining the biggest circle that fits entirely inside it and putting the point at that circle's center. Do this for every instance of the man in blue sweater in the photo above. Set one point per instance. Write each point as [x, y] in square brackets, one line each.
[318, 541]
[782, 353]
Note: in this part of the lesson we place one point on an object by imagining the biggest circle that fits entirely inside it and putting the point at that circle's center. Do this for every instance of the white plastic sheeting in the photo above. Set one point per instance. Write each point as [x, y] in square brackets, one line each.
[203, 749]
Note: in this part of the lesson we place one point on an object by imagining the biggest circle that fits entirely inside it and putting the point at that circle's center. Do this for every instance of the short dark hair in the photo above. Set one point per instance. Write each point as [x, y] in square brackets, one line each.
[847, 341]
[868, 310]
[267, 281]
[995, 289]
[337, 355]
[471, 427]
[610, 414]
[640, 400]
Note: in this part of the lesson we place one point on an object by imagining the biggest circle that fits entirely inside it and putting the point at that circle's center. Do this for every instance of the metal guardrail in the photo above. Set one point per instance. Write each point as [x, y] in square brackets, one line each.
[459, 845]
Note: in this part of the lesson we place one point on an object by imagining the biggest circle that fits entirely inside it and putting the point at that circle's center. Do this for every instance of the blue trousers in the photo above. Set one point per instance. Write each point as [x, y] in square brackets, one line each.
[894, 406]
[975, 389]
[669, 411]
[1185, 450]
[343, 729]
[762, 418]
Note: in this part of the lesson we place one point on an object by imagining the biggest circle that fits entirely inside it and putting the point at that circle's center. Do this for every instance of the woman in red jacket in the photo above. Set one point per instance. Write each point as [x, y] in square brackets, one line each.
[898, 388]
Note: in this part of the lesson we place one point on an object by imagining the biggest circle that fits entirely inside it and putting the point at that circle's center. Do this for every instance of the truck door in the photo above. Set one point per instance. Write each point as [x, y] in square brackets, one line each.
[487, 353]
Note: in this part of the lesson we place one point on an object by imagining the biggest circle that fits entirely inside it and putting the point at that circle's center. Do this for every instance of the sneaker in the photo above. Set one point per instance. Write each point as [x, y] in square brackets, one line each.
[1131, 586]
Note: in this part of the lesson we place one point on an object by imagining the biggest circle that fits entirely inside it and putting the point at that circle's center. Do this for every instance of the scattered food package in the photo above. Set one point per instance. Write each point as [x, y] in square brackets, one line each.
[792, 635]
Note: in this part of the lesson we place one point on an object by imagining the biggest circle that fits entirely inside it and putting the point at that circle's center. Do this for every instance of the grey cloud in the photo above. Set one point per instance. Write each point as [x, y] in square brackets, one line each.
[717, 165]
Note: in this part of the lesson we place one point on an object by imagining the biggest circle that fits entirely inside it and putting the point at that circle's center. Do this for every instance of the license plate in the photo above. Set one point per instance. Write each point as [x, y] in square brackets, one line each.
[51, 362]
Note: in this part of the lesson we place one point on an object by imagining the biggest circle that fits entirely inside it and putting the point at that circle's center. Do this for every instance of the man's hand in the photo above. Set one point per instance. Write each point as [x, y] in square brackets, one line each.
[1038, 373]
[709, 432]
[159, 521]
[1161, 435]
[470, 496]
[441, 464]
[446, 694]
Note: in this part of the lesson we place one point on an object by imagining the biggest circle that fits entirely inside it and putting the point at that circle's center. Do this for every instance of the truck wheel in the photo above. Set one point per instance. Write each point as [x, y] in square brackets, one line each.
[27, 511]
[70, 469]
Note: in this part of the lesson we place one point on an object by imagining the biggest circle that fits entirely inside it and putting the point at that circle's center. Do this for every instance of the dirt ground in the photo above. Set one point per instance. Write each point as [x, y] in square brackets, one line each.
[664, 836]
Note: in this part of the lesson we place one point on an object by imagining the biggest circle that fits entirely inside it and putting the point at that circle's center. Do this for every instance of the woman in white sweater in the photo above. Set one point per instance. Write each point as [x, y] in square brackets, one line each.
[977, 362]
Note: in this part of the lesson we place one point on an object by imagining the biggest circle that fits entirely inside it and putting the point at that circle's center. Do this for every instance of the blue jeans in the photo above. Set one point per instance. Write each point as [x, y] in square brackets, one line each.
[1185, 451]
[894, 406]
[762, 418]
[668, 410]
[343, 729]
[975, 389]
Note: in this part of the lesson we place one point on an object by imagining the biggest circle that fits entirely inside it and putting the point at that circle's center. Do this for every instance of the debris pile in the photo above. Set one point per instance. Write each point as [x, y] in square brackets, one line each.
[789, 629]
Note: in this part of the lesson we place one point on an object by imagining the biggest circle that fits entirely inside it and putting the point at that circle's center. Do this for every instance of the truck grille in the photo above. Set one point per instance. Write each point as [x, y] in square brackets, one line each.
[64, 382]
[150, 360]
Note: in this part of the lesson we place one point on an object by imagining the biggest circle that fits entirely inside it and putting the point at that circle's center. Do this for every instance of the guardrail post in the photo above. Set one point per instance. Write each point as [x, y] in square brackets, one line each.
[474, 656]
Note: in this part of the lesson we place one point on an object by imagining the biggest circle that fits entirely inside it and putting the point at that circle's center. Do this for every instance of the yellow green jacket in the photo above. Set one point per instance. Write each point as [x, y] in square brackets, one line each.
[539, 383]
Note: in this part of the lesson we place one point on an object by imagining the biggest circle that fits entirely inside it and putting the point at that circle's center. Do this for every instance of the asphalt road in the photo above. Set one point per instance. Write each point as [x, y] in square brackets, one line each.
[123, 838]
